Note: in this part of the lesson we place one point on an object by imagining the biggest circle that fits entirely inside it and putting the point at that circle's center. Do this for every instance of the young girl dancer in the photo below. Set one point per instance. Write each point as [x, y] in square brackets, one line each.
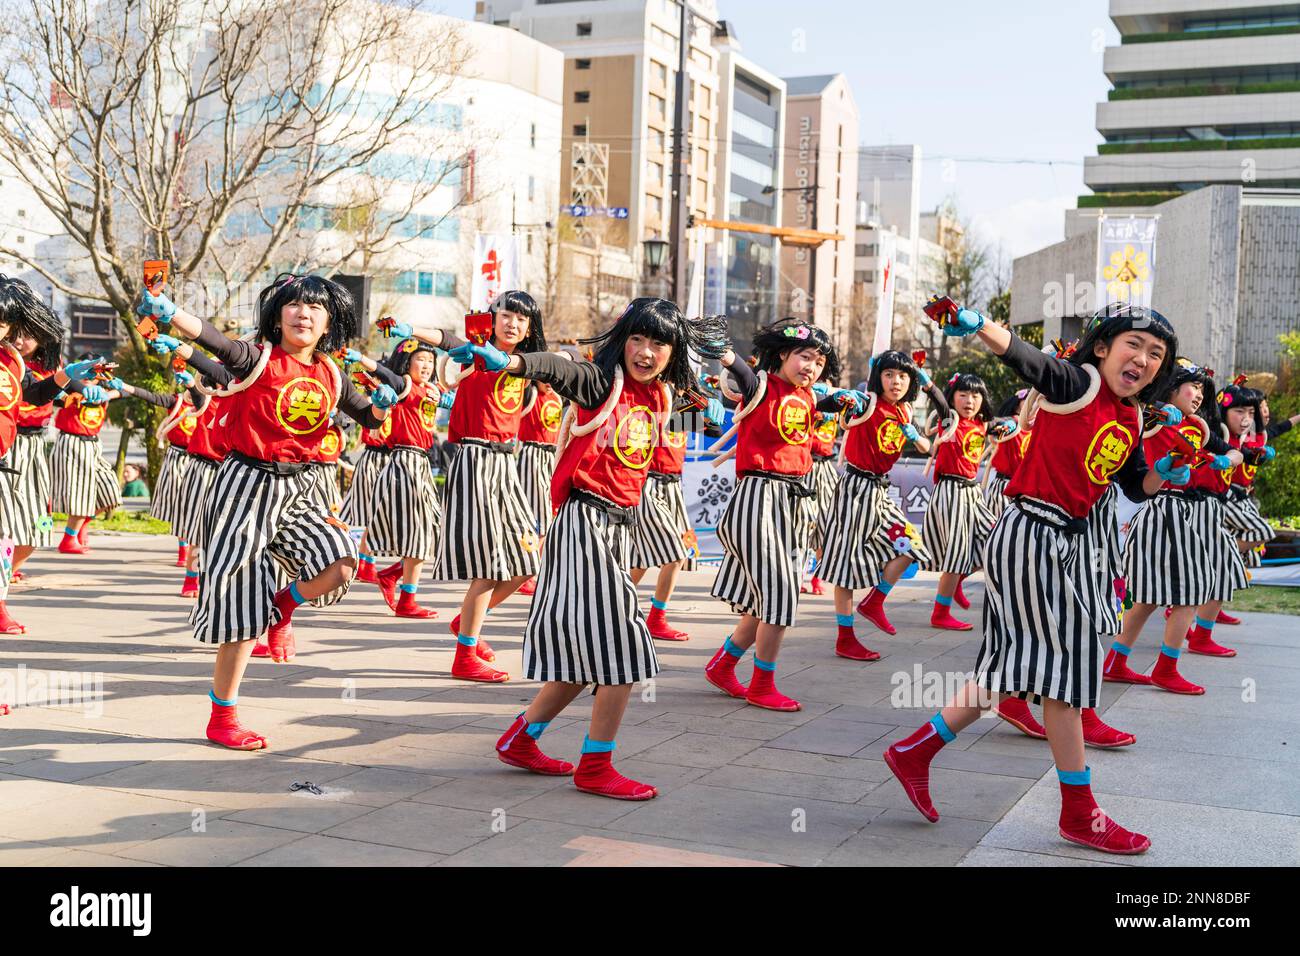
[764, 530]
[262, 520]
[1173, 554]
[408, 514]
[585, 625]
[26, 326]
[358, 504]
[957, 522]
[1010, 443]
[869, 542]
[1042, 595]
[824, 478]
[539, 429]
[83, 484]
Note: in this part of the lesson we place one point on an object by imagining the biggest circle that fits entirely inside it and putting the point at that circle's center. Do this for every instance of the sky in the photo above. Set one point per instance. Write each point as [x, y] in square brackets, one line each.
[1001, 97]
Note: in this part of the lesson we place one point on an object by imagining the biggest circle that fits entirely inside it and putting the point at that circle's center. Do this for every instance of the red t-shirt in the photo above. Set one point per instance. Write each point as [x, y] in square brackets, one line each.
[960, 455]
[613, 460]
[877, 443]
[1207, 479]
[541, 423]
[777, 435]
[1009, 454]
[36, 416]
[1243, 476]
[206, 441]
[488, 407]
[78, 418]
[331, 446]
[1075, 456]
[413, 418]
[825, 428]
[284, 414]
[183, 430]
[670, 454]
[11, 397]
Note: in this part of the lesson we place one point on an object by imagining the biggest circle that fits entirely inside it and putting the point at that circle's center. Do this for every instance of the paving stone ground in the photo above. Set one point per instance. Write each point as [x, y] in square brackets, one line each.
[404, 755]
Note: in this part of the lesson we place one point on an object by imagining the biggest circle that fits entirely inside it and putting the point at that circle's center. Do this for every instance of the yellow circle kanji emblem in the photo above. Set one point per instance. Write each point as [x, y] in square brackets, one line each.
[302, 406]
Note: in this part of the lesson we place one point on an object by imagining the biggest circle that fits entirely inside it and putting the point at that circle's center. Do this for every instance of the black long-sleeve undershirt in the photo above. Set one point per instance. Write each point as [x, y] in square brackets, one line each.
[207, 366]
[747, 379]
[1278, 428]
[43, 391]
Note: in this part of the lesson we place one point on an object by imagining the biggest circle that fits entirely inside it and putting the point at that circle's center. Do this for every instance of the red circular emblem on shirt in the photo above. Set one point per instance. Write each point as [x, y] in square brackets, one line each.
[634, 437]
[1107, 451]
[889, 437]
[508, 393]
[972, 446]
[825, 429]
[302, 406]
[92, 416]
[551, 412]
[187, 424]
[793, 419]
[428, 413]
[330, 443]
[10, 390]
[386, 428]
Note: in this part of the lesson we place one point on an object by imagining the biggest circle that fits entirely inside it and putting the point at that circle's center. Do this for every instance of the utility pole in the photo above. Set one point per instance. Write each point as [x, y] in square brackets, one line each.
[681, 180]
[812, 273]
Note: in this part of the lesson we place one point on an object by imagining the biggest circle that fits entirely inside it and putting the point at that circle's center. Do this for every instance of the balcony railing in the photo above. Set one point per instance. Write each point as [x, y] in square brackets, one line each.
[1204, 89]
[1207, 34]
[1199, 145]
[1098, 200]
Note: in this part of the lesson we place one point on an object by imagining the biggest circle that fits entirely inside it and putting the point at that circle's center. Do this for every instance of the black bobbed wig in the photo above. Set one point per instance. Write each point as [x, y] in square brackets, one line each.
[1183, 373]
[662, 321]
[27, 316]
[399, 360]
[894, 360]
[521, 303]
[970, 382]
[774, 342]
[1116, 319]
[1240, 396]
[1010, 406]
[309, 290]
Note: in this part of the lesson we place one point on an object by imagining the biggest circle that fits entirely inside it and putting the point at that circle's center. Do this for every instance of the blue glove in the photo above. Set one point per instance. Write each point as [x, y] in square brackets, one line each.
[965, 322]
[1269, 452]
[401, 330]
[93, 395]
[117, 385]
[83, 370]
[1172, 472]
[447, 399]
[383, 397]
[924, 377]
[1221, 463]
[1174, 415]
[821, 389]
[164, 344]
[184, 379]
[1007, 427]
[859, 400]
[494, 360]
[715, 412]
[352, 357]
[158, 306]
[910, 433]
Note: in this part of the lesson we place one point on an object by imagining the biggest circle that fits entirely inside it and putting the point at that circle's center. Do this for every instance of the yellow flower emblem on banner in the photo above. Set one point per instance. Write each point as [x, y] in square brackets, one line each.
[1127, 275]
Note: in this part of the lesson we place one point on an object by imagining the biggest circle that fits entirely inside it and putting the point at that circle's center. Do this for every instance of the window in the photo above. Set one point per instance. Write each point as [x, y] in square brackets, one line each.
[22, 213]
[580, 129]
[426, 283]
[532, 136]
[656, 172]
[444, 284]
[656, 207]
[584, 29]
[528, 243]
[657, 142]
[752, 129]
[532, 188]
[659, 72]
[754, 171]
[658, 106]
[582, 64]
[582, 96]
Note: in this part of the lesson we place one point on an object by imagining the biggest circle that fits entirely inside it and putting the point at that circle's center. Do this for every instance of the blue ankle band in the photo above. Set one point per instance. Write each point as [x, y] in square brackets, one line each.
[536, 730]
[941, 728]
[1168, 651]
[884, 587]
[844, 620]
[590, 746]
[1076, 778]
[191, 574]
[212, 695]
[1120, 649]
[366, 558]
[732, 649]
[768, 666]
[183, 544]
[69, 532]
[296, 594]
[466, 640]
[408, 588]
[945, 601]
[658, 605]
[1204, 624]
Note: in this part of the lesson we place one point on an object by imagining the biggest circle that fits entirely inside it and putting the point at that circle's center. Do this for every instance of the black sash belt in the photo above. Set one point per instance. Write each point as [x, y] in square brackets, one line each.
[865, 475]
[959, 479]
[1050, 515]
[500, 447]
[279, 468]
[540, 444]
[795, 483]
[667, 479]
[615, 513]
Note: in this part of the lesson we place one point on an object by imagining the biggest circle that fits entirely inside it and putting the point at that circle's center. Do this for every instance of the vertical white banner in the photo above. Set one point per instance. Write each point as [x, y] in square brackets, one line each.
[886, 258]
[1126, 259]
[693, 307]
[496, 269]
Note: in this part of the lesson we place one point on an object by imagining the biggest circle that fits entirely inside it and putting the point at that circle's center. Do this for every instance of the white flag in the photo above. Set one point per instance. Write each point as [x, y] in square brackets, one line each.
[496, 269]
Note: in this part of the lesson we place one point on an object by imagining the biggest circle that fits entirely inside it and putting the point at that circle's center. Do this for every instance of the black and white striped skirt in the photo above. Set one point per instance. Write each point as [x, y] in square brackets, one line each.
[359, 502]
[1242, 517]
[824, 478]
[585, 625]
[25, 496]
[1041, 606]
[1221, 547]
[261, 526]
[325, 487]
[190, 524]
[1106, 557]
[408, 516]
[764, 534]
[994, 499]
[164, 504]
[82, 482]
[1166, 555]
[536, 467]
[866, 530]
[488, 531]
[956, 527]
[660, 534]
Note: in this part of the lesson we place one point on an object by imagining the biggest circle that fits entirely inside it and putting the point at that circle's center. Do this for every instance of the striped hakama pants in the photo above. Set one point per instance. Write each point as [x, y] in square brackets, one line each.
[82, 482]
[25, 496]
[164, 504]
[1167, 554]
[1106, 558]
[764, 533]
[994, 499]
[825, 478]
[1242, 517]
[1225, 557]
[662, 532]
[585, 624]
[190, 523]
[956, 527]
[488, 529]
[865, 531]
[261, 525]
[359, 502]
[407, 516]
[536, 467]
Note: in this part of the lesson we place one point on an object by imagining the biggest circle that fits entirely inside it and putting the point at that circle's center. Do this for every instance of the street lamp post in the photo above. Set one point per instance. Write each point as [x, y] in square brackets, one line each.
[810, 195]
